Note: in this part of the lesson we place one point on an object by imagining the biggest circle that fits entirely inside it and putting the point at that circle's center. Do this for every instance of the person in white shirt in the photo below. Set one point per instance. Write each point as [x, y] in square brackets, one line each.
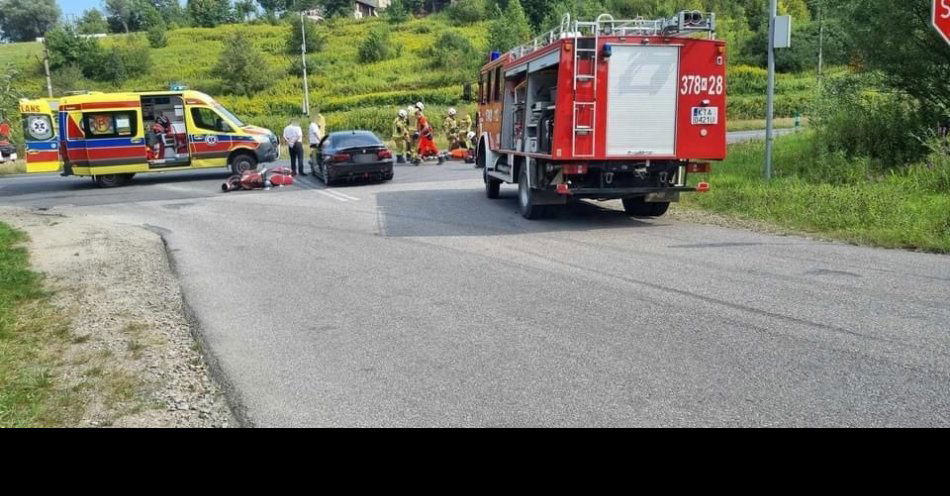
[293, 137]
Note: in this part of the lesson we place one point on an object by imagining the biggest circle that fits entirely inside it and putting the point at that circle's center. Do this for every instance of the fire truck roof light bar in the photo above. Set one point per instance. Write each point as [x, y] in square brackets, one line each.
[683, 24]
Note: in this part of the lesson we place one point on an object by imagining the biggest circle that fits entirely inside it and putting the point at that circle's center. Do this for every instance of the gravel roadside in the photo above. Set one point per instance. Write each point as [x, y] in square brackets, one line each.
[133, 357]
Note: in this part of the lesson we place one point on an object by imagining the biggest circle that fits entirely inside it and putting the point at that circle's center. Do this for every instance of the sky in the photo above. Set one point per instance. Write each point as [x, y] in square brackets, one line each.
[78, 6]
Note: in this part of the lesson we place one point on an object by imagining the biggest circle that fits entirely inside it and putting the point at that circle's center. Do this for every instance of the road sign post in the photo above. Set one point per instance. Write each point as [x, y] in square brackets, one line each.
[941, 18]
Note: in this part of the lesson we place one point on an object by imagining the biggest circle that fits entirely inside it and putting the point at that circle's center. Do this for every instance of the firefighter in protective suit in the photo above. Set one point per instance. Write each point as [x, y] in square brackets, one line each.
[466, 124]
[450, 127]
[402, 138]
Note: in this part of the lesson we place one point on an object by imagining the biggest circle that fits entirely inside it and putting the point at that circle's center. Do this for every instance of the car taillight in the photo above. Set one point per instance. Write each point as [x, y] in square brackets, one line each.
[575, 170]
[341, 157]
[385, 154]
[699, 168]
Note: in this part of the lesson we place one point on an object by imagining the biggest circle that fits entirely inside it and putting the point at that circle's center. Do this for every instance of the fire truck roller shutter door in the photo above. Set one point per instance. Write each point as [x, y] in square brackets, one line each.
[642, 100]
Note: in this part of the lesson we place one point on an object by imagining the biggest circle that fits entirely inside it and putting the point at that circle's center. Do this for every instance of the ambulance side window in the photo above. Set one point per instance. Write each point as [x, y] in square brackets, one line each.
[209, 120]
[100, 125]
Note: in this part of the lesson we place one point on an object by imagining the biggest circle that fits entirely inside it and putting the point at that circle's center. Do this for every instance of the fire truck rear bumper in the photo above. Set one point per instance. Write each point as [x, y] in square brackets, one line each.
[653, 194]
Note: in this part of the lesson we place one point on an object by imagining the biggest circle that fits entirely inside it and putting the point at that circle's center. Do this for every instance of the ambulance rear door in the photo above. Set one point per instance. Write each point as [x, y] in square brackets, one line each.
[40, 137]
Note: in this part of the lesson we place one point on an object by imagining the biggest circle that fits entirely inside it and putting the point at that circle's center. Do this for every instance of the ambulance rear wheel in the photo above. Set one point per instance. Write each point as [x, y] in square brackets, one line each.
[113, 180]
[242, 163]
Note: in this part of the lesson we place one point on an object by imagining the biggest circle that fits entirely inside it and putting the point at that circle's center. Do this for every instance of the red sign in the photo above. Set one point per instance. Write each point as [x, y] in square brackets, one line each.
[941, 18]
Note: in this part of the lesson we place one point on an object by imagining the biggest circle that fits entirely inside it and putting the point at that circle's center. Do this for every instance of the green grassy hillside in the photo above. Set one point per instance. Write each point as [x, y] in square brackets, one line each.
[352, 94]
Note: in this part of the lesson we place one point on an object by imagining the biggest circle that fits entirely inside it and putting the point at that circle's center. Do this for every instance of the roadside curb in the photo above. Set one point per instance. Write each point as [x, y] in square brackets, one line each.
[232, 397]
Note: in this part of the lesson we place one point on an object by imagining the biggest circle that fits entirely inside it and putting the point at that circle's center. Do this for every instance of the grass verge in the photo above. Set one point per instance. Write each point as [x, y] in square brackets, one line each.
[834, 197]
[18, 167]
[759, 124]
[33, 339]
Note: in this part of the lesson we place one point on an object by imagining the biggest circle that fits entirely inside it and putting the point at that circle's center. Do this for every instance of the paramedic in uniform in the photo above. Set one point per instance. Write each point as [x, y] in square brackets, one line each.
[293, 136]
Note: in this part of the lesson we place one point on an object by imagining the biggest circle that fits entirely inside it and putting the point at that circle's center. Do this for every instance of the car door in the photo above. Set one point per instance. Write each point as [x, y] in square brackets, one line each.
[209, 137]
[40, 138]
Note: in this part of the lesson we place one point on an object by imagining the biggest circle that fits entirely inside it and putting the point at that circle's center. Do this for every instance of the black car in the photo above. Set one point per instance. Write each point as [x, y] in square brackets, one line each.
[351, 156]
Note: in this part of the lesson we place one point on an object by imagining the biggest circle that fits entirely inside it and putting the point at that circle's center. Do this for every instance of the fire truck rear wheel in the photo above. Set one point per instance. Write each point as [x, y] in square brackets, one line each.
[242, 163]
[637, 207]
[113, 180]
[492, 186]
[529, 210]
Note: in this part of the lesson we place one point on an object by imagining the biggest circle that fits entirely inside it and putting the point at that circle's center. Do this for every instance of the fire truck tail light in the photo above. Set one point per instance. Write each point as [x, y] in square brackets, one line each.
[703, 187]
[575, 170]
[699, 168]
[563, 189]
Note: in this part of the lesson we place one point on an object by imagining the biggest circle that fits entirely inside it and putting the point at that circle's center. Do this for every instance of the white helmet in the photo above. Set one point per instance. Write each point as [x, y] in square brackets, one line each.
[403, 113]
[471, 135]
[452, 112]
[420, 106]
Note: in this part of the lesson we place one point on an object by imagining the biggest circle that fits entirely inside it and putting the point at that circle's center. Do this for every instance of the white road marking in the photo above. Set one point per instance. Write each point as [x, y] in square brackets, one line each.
[331, 195]
[344, 195]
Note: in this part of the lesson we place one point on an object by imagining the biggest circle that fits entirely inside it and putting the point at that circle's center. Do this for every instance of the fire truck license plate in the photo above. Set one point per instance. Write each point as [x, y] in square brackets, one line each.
[705, 116]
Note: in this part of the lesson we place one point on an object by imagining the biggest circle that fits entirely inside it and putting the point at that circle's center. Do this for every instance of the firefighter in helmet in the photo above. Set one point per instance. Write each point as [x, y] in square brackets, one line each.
[450, 127]
[466, 124]
[427, 148]
[403, 138]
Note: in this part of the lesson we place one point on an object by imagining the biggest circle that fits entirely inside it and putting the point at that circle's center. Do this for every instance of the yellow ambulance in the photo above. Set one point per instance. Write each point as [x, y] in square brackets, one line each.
[113, 136]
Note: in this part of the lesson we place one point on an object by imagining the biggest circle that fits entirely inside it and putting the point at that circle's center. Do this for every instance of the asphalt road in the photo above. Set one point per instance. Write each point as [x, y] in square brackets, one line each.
[422, 303]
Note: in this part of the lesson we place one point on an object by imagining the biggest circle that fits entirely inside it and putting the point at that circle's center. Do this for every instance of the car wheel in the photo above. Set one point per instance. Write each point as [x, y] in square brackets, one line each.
[529, 210]
[638, 207]
[242, 163]
[492, 186]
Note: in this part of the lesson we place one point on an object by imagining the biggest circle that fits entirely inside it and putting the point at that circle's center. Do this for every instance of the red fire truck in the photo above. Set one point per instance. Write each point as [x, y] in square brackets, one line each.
[605, 110]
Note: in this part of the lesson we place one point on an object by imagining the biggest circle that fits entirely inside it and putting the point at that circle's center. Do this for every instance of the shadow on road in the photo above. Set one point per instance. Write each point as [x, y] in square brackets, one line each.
[466, 212]
[38, 185]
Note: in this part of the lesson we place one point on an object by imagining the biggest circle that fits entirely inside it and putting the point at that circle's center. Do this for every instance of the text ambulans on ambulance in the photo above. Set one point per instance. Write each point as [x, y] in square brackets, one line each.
[113, 136]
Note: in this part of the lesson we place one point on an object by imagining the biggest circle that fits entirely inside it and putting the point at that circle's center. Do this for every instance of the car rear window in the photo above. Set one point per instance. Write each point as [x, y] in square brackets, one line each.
[344, 141]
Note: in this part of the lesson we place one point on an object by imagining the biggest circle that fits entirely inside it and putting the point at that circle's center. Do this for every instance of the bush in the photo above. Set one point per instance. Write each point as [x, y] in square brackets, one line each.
[120, 63]
[242, 67]
[853, 117]
[157, 35]
[397, 12]
[453, 51]
[377, 46]
[67, 48]
[468, 11]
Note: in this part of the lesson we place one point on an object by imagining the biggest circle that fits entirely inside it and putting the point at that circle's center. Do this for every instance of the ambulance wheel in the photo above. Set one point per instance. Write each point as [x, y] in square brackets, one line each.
[113, 180]
[529, 210]
[638, 207]
[242, 163]
[492, 186]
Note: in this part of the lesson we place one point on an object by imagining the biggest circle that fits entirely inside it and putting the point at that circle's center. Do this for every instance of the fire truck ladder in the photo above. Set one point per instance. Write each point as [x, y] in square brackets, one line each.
[587, 46]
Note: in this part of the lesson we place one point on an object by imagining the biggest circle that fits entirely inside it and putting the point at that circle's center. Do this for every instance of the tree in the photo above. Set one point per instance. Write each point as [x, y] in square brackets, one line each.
[398, 12]
[244, 9]
[68, 48]
[510, 28]
[912, 58]
[26, 20]
[338, 8]
[315, 40]
[467, 11]
[210, 13]
[121, 14]
[92, 22]
[243, 67]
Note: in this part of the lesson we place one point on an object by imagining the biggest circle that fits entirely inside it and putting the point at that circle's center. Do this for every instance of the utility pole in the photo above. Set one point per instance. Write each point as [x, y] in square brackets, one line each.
[770, 106]
[821, 38]
[49, 80]
[303, 57]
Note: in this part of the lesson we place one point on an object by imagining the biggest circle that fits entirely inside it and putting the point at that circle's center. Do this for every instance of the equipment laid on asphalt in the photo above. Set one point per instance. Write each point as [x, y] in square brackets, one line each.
[609, 109]
[265, 179]
[113, 136]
